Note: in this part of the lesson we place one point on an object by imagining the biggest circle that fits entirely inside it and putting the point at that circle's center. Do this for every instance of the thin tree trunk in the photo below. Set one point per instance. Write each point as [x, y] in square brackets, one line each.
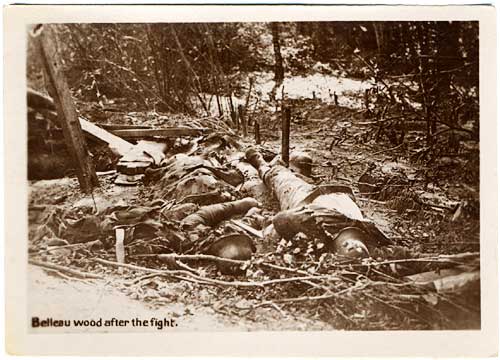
[279, 72]
[197, 84]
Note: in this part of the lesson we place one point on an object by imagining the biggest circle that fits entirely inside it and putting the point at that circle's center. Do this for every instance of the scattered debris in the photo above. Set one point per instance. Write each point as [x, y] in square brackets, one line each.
[209, 210]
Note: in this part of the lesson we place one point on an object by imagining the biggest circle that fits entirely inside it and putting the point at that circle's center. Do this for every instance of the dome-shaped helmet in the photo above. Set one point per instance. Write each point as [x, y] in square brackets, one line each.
[350, 242]
[234, 247]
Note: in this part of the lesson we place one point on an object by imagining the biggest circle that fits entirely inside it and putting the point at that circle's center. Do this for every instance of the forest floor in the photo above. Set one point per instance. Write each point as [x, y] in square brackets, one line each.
[421, 217]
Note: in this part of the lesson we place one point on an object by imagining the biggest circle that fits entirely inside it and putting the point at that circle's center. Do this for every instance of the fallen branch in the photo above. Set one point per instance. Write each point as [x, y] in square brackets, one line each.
[283, 268]
[66, 277]
[186, 267]
[186, 275]
[68, 270]
[72, 246]
[220, 259]
[199, 257]
[455, 260]
[178, 274]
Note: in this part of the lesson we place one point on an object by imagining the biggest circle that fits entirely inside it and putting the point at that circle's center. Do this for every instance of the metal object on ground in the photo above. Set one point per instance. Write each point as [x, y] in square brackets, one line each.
[235, 247]
[301, 162]
[350, 242]
[130, 180]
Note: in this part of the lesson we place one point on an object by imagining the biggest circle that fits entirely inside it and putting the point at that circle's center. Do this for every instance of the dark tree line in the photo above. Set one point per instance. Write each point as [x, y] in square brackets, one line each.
[175, 67]
[422, 71]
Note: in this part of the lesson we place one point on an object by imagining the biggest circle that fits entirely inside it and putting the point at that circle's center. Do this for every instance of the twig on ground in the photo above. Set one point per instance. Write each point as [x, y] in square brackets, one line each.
[446, 259]
[140, 278]
[66, 277]
[283, 268]
[71, 246]
[280, 310]
[220, 259]
[332, 307]
[239, 262]
[191, 257]
[186, 267]
[64, 269]
[58, 273]
[186, 275]
[450, 259]
[398, 308]
[308, 298]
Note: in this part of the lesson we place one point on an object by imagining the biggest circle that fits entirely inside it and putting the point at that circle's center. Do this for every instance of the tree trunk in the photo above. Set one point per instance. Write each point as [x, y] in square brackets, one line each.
[66, 112]
[279, 72]
[379, 36]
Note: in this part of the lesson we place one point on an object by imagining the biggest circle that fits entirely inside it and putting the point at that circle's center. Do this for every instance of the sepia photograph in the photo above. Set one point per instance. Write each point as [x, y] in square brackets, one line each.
[249, 176]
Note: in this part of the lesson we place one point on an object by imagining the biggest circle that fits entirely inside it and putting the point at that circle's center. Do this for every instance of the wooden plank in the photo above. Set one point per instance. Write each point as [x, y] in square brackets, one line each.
[39, 101]
[243, 120]
[42, 103]
[117, 144]
[166, 132]
[112, 127]
[257, 131]
[67, 115]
